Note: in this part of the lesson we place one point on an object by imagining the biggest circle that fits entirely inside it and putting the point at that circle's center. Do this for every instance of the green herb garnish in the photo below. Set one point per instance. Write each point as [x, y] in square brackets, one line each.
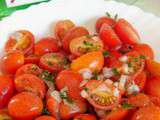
[95, 76]
[129, 64]
[142, 57]
[126, 105]
[89, 36]
[105, 53]
[46, 75]
[136, 59]
[87, 43]
[115, 71]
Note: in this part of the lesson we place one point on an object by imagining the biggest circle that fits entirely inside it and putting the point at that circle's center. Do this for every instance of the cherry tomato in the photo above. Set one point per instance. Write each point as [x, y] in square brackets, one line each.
[155, 100]
[22, 40]
[84, 44]
[25, 106]
[126, 32]
[71, 34]
[45, 117]
[104, 20]
[147, 113]
[125, 48]
[71, 80]
[46, 45]
[31, 59]
[145, 50]
[12, 61]
[28, 69]
[85, 117]
[30, 83]
[53, 62]
[92, 60]
[6, 90]
[102, 94]
[69, 109]
[109, 37]
[4, 115]
[62, 27]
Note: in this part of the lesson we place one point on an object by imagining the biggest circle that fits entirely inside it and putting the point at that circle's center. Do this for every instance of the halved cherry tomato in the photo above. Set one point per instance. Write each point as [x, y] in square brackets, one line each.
[102, 94]
[6, 90]
[71, 80]
[109, 37]
[30, 83]
[12, 61]
[145, 50]
[45, 45]
[104, 20]
[84, 44]
[31, 59]
[45, 117]
[22, 40]
[71, 34]
[126, 32]
[28, 69]
[92, 60]
[69, 109]
[62, 27]
[153, 86]
[147, 113]
[85, 117]
[153, 67]
[53, 62]
[25, 106]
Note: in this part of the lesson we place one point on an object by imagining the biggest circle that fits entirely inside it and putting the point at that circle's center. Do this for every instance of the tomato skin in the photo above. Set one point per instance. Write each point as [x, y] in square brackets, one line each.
[6, 90]
[28, 69]
[45, 45]
[145, 50]
[71, 34]
[85, 117]
[31, 59]
[12, 61]
[109, 37]
[71, 80]
[45, 117]
[62, 27]
[104, 20]
[30, 83]
[126, 32]
[25, 37]
[88, 61]
[147, 113]
[25, 106]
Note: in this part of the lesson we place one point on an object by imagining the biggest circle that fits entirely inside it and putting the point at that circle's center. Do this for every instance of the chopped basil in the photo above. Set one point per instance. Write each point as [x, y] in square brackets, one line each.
[85, 89]
[129, 64]
[87, 43]
[89, 36]
[105, 53]
[135, 59]
[46, 75]
[126, 105]
[45, 111]
[116, 17]
[64, 95]
[115, 71]
[95, 76]
[49, 63]
[142, 57]
[108, 14]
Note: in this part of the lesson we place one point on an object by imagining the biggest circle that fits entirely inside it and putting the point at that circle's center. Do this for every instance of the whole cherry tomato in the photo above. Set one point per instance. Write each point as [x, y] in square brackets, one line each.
[45, 117]
[85, 117]
[31, 59]
[46, 45]
[22, 40]
[25, 106]
[6, 90]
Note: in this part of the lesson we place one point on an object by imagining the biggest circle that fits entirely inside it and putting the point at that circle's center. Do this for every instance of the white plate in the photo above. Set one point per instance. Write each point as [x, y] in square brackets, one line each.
[40, 19]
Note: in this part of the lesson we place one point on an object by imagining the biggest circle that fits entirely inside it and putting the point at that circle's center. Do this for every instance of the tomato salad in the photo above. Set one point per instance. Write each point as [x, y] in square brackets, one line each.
[109, 75]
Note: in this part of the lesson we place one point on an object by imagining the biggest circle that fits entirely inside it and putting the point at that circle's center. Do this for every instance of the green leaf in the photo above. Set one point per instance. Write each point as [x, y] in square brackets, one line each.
[142, 57]
[87, 43]
[105, 53]
[46, 75]
[95, 76]
[115, 71]
[126, 105]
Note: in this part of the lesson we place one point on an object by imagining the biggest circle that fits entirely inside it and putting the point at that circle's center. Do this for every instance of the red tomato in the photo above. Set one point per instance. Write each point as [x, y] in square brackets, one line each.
[6, 90]
[71, 34]
[85, 117]
[45, 117]
[53, 62]
[30, 83]
[71, 80]
[46, 45]
[4, 115]
[145, 50]
[12, 61]
[147, 113]
[28, 69]
[69, 109]
[125, 48]
[31, 59]
[104, 20]
[22, 40]
[126, 32]
[104, 99]
[62, 27]
[25, 106]
[109, 37]
[155, 100]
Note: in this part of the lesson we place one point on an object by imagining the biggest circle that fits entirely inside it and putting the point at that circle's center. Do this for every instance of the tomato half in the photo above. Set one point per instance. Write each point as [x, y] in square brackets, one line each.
[62, 27]
[6, 89]
[71, 34]
[45, 117]
[53, 62]
[25, 106]
[30, 83]
[12, 61]
[126, 32]
[45, 45]
[22, 40]
[85, 117]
